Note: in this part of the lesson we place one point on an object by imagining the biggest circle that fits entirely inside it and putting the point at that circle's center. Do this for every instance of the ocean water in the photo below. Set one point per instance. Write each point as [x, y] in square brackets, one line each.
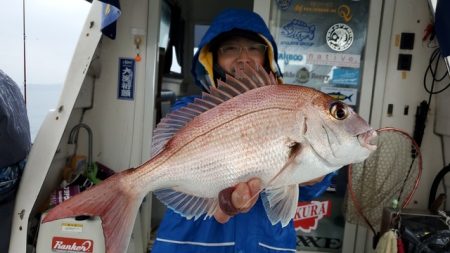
[40, 99]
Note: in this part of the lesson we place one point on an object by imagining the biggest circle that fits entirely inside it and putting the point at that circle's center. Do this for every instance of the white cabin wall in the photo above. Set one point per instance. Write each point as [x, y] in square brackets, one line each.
[121, 129]
[62, 154]
[405, 88]
[113, 120]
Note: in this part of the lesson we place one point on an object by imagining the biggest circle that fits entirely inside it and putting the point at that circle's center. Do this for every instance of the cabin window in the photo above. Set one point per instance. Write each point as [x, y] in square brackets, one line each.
[175, 67]
[199, 31]
[164, 25]
[171, 39]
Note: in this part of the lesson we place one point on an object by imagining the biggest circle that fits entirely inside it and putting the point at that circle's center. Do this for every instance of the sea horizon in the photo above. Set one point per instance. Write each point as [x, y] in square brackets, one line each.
[41, 98]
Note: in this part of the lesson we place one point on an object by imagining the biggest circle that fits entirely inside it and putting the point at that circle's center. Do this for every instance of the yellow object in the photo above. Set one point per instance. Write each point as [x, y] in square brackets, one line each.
[74, 167]
[387, 243]
[397, 40]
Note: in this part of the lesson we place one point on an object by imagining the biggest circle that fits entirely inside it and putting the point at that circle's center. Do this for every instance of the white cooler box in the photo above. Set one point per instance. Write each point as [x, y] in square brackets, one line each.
[71, 235]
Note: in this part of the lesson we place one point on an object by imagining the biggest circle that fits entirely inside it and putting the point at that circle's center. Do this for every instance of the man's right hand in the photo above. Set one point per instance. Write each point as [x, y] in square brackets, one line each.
[237, 199]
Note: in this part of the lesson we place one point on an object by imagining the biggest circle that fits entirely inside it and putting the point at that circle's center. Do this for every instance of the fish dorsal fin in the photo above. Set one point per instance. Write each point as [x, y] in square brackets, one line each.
[280, 203]
[247, 79]
[187, 205]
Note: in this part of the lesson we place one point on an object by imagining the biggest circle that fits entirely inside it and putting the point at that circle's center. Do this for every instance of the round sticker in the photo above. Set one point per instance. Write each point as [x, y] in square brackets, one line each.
[302, 75]
[339, 37]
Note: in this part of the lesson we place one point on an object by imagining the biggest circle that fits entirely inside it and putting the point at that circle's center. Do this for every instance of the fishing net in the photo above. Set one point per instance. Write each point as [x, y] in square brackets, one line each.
[388, 178]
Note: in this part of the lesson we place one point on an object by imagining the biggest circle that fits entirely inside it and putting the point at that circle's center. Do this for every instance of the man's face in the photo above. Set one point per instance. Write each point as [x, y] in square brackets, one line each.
[236, 51]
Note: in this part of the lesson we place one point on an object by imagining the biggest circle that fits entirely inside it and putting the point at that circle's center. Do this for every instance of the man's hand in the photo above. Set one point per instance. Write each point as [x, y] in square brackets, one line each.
[236, 199]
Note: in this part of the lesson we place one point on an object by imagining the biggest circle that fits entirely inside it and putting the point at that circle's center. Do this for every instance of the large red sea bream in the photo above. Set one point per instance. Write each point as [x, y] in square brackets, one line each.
[246, 128]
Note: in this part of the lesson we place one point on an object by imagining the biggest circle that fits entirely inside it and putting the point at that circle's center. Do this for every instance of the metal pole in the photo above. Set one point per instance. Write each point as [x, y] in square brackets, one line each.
[24, 55]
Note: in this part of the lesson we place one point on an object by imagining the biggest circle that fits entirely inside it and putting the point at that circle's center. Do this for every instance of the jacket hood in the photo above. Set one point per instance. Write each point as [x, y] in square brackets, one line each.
[202, 64]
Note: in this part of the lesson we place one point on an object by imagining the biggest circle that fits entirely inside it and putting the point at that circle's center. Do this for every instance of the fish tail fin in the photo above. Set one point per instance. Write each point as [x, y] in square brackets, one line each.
[350, 97]
[115, 201]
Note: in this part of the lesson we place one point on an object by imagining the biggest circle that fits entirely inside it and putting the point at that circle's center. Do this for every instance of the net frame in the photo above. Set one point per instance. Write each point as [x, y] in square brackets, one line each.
[417, 155]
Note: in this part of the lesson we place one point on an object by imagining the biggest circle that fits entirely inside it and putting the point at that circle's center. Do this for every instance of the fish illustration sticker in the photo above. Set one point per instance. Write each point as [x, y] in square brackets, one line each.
[346, 95]
[339, 37]
[300, 31]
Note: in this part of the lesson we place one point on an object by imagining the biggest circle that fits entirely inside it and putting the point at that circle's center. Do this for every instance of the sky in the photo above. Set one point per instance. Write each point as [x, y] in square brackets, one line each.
[52, 31]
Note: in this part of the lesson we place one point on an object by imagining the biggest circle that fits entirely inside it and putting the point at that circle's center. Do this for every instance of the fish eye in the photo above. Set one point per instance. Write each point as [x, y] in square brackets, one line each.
[339, 110]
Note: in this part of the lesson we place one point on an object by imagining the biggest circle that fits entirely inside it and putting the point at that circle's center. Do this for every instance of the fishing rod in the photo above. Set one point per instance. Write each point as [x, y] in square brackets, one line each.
[24, 54]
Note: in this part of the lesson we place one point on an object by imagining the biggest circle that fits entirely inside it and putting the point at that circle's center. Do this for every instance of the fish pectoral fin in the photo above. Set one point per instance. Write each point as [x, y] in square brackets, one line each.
[295, 148]
[185, 204]
[280, 203]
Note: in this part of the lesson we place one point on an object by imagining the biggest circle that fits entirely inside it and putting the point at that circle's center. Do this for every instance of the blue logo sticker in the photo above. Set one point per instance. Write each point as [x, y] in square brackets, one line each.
[289, 57]
[283, 4]
[348, 76]
[300, 31]
[126, 79]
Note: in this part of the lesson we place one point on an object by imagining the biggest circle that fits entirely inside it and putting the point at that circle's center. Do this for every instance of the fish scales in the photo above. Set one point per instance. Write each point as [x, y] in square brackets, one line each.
[217, 134]
[222, 158]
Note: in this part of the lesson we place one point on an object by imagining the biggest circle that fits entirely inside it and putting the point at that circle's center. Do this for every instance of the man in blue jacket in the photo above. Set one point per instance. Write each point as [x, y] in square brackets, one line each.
[234, 38]
[14, 147]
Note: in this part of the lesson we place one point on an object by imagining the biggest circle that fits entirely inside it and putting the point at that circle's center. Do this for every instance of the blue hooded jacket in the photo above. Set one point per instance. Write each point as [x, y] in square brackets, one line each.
[227, 21]
[245, 232]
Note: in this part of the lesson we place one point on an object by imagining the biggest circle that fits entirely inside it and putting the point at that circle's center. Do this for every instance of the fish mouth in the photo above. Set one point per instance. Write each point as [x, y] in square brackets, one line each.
[369, 139]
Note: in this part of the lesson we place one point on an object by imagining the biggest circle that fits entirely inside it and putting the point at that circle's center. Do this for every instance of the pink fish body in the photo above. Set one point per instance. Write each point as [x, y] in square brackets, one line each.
[283, 134]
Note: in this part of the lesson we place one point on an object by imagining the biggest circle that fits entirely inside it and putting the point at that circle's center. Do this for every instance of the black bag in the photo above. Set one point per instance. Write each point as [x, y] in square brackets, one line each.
[425, 234]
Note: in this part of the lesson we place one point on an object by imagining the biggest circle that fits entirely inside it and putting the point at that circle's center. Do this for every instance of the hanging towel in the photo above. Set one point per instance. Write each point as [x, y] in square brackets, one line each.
[387, 243]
